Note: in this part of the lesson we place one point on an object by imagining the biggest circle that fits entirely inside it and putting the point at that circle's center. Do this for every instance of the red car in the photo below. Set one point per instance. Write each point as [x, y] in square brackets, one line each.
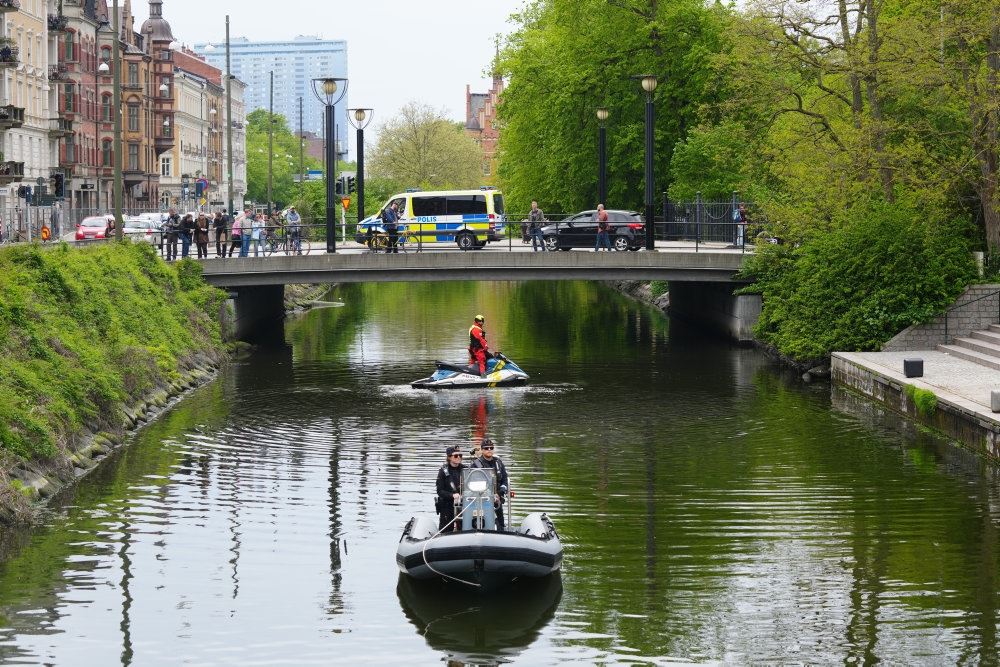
[93, 227]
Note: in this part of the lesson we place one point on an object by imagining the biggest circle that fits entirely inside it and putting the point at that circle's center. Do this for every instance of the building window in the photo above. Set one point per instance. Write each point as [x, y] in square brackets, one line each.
[133, 157]
[106, 153]
[106, 108]
[165, 92]
[106, 55]
[133, 74]
[70, 149]
[68, 97]
[486, 168]
[68, 46]
[166, 165]
[133, 118]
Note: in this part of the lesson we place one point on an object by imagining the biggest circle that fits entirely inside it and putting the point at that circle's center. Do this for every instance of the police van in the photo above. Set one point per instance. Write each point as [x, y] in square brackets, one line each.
[468, 218]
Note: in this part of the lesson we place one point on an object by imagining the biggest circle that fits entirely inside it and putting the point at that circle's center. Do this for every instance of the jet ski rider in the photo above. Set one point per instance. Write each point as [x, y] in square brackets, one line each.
[449, 487]
[478, 349]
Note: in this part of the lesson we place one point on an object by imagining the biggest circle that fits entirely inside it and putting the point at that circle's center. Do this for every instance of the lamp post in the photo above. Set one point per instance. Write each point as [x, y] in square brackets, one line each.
[102, 22]
[602, 157]
[325, 91]
[360, 118]
[229, 125]
[117, 113]
[649, 85]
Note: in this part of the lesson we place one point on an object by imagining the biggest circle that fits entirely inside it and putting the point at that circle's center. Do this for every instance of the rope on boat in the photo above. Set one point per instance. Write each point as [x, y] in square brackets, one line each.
[423, 552]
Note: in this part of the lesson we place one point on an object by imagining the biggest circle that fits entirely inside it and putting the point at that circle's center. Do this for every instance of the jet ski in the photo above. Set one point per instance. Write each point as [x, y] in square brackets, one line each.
[500, 372]
[478, 555]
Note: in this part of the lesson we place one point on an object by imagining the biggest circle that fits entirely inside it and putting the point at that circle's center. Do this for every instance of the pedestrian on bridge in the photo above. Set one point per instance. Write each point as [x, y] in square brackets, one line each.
[536, 218]
[391, 223]
[603, 229]
[221, 226]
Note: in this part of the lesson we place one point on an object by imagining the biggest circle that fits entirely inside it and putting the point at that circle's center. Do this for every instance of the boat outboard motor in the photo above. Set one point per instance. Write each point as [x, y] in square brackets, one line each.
[478, 486]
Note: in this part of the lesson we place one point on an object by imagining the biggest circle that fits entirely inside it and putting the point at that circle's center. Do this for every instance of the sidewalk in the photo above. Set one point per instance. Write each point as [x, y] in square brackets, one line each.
[960, 383]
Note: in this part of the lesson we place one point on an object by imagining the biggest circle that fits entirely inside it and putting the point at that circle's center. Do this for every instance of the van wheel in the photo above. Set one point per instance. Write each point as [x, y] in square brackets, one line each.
[466, 241]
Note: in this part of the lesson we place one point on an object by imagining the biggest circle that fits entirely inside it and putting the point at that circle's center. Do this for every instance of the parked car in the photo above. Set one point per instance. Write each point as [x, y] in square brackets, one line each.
[138, 229]
[154, 220]
[93, 227]
[628, 232]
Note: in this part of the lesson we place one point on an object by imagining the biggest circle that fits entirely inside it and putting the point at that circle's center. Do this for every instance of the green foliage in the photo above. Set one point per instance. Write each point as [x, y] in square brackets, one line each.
[421, 148]
[880, 269]
[82, 331]
[659, 288]
[285, 143]
[924, 400]
[568, 57]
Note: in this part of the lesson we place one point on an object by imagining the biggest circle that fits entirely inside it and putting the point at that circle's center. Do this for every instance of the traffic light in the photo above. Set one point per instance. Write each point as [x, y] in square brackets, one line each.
[352, 184]
[338, 187]
[198, 187]
[57, 182]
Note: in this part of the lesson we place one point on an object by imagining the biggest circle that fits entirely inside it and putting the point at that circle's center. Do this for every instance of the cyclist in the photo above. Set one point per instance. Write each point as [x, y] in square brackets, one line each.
[294, 227]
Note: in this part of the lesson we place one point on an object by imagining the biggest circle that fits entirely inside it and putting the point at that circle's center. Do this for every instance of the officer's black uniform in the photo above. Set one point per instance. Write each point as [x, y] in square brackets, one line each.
[449, 482]
[501, 480]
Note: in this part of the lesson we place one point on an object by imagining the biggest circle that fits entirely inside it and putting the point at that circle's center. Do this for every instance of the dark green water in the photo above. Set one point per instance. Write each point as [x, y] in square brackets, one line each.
[712, 509]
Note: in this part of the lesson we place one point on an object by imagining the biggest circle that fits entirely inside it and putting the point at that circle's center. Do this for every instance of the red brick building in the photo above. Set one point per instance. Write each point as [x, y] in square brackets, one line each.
[481, 123]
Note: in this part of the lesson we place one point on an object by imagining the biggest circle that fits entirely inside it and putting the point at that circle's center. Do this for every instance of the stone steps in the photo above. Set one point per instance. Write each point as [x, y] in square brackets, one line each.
[981, 347]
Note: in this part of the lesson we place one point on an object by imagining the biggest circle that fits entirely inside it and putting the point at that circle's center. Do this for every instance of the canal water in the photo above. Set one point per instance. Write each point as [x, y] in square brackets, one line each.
[712, 508]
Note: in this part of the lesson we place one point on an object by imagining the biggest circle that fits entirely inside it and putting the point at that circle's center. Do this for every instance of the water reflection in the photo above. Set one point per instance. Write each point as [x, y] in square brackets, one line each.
[479, 630]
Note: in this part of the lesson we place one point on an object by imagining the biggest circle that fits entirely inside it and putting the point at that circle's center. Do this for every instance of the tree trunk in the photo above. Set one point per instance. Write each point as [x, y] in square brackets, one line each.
[871, 86]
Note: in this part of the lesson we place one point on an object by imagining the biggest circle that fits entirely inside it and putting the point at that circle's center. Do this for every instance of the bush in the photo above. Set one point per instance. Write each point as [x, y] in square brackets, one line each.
[879, 270]
[83, 331]
[924, 400]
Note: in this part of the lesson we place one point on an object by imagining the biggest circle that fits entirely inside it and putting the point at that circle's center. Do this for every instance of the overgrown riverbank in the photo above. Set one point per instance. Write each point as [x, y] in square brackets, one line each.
[92, 341]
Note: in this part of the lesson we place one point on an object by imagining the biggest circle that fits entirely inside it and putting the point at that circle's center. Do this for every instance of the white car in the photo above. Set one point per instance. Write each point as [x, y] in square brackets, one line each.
[138, 229]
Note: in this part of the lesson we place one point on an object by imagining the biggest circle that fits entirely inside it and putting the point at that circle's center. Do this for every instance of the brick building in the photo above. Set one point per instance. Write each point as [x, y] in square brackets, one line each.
[481, 123]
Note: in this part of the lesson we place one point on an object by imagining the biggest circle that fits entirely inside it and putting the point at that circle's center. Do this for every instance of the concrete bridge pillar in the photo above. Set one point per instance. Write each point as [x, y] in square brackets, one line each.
[259, 310]
[714, 305]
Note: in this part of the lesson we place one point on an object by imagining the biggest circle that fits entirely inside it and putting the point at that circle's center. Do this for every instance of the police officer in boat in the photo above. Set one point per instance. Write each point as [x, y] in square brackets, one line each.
[488, 460]
[449, 488]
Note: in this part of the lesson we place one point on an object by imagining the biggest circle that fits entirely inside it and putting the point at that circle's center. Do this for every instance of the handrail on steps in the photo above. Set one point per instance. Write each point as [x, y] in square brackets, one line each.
[963, 305]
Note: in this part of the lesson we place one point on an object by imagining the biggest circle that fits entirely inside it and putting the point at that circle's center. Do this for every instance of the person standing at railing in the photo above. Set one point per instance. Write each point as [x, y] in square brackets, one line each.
[246, 231]
[535, 220]
[187, 234]
[221, 226]
[201, 233]
[603, 229]
[236, 235]
[171, 230]
[740, 218]
[257, 228]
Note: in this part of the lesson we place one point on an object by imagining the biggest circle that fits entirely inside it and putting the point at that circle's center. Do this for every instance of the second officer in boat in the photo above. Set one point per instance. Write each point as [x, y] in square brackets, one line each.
[449, 487]
[488, 460]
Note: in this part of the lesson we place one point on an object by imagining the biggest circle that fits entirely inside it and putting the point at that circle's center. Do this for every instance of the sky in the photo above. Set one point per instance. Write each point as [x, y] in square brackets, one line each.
[398, 51]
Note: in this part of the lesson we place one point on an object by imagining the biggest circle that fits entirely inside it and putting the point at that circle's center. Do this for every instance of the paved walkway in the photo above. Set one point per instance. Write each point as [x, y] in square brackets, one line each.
[962, 383]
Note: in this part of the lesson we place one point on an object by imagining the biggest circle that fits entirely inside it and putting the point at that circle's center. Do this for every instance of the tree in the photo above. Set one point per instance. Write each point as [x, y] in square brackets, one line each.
[285, 164]
[568, 57]
[421, 148]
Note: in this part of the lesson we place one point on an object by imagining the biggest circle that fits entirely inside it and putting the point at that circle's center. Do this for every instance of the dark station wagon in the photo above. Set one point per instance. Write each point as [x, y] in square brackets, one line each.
[580, 231]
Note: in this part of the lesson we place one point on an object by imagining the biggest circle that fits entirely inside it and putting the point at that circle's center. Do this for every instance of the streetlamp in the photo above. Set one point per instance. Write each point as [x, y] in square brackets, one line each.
[602, 157]
[119, 186]
[649, 85]
[360, 118]
[325, 91]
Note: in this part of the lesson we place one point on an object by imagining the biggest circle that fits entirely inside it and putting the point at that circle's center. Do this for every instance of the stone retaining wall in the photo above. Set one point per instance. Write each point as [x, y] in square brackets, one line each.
[968, 428]
[975, 316]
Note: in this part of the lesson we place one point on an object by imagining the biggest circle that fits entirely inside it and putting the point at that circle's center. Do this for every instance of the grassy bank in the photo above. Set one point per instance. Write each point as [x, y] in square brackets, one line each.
[85, 333]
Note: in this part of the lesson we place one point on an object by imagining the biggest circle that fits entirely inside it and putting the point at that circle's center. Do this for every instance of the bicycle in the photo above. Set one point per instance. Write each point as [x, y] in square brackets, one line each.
[289, 243]
[379, 241]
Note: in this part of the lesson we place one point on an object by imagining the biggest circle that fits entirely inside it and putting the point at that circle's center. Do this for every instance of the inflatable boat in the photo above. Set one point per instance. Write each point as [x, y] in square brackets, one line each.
[473, 552]
[500, 372]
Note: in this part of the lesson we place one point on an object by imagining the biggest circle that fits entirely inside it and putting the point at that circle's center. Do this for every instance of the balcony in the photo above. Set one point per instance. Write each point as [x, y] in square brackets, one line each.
[9, 6]
[11, 172]
[61, 127]
[11, 117]
[58, 23]
[58, 73]
[9, 51]
[164, 143]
